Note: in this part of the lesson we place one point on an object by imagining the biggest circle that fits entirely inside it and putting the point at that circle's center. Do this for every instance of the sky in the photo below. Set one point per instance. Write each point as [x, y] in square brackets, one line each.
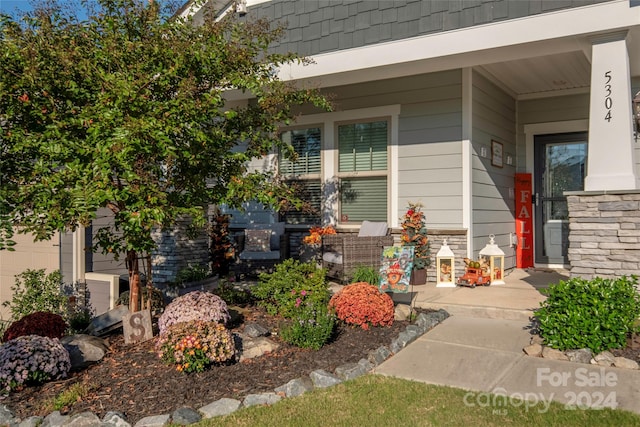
[10, 6]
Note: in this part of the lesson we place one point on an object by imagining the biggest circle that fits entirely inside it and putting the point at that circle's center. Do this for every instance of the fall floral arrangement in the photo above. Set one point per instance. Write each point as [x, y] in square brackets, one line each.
[196, 305]
[40, 323]
[414, 233]
[32, 359]
[363, 305]
[194, 346]
[316, 233]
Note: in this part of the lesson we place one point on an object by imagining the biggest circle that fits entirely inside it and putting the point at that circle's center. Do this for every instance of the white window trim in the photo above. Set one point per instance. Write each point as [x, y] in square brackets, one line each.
[329, 152]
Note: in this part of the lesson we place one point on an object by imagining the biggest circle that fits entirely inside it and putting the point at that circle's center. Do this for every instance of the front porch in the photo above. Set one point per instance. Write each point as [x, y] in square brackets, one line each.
[515, 300]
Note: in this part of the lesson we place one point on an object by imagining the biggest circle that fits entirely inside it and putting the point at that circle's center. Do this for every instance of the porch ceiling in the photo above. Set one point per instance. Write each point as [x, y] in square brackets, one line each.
[541, 75]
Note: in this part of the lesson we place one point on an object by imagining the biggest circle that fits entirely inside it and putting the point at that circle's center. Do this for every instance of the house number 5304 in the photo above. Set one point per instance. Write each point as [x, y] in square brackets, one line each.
[608, 102]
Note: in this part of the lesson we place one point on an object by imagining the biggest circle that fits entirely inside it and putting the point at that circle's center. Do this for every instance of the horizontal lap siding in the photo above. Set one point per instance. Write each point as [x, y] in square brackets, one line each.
[430, 131]
[430, 153]
[494, 118]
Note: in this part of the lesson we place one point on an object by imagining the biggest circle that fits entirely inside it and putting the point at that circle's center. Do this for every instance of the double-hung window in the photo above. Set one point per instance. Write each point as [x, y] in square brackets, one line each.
[363, 170]
[303, 172]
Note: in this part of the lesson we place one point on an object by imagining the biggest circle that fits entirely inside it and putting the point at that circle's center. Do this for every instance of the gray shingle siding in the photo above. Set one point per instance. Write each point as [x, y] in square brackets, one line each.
[373, 21]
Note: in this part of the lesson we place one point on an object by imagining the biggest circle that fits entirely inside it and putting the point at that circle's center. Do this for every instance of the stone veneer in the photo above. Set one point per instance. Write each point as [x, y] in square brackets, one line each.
[604, 233]
[178, 248]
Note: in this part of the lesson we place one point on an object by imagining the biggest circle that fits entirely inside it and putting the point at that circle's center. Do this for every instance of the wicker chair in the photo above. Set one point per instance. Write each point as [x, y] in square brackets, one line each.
[251, 260]
[343, 253]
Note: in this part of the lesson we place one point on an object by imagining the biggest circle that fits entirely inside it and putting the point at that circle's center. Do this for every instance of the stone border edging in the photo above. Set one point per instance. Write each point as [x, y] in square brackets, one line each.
[583, 355]
[225, 406]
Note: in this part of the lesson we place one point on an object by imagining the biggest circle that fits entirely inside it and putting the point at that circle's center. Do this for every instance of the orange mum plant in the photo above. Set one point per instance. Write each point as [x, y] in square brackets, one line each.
[362, 304]
[316, 233]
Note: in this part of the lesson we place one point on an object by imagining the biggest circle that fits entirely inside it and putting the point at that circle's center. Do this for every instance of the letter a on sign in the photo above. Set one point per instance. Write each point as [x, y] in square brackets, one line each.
[524, 221]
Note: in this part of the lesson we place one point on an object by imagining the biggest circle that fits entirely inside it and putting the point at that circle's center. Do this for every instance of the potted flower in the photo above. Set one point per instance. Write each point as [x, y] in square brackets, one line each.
[310, 250]
[414, 233]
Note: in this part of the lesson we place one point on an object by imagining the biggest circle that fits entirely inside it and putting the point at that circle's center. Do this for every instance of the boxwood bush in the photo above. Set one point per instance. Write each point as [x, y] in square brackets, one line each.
[598, 314]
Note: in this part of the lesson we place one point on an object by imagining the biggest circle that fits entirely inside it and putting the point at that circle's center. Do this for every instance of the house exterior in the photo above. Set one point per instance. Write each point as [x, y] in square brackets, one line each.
[488, 112]
[502, 117]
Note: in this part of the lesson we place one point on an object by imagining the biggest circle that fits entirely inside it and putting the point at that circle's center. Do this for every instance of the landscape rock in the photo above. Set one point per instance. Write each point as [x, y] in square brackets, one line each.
[115, 419]
[54, 419]
[295, 387]
[261, 399]
[402, 312]
[255, 330]
[553, 354]
[30, 422]
[379, 355]
[224, 406]
[534, 350]
[256, 347]
[349, 371]
[185, 416]
[426, 322]
[322, 379]
[83, 419]
[583, 355]
[623, 362]
[84, 349]
[366, 364]
[605, 358]
[6, 416]
[108, 321]
[154, 421]
[536, 339]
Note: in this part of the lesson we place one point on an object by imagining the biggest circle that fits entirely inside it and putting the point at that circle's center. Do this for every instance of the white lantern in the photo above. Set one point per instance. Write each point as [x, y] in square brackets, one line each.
[445, 267]
[495, 257]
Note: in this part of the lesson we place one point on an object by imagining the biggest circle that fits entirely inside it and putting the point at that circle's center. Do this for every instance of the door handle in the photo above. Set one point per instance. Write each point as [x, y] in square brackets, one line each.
[534, 199]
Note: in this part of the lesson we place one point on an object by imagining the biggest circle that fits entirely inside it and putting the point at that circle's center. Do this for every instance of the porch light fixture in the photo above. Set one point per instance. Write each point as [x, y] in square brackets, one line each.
[445, 267]
[635, 104]
[495, 256]
[241, 7]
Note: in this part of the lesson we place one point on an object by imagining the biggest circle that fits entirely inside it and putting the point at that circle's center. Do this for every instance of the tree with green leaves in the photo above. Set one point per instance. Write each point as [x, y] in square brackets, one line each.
[128, 109]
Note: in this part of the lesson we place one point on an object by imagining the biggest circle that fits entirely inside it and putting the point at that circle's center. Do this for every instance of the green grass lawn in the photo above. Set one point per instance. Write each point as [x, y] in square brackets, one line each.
[374, 400]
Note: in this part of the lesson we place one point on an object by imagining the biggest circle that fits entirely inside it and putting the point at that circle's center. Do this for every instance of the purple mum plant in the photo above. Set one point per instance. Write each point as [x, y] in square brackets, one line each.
[196, 305]
[32, 359]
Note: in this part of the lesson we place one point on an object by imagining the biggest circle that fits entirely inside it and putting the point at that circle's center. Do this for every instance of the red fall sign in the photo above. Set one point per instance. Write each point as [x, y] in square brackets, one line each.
[524, 221]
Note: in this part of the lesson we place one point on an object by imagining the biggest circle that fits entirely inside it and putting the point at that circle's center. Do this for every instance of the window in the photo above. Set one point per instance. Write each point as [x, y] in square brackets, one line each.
[302, 172]
[362, 169]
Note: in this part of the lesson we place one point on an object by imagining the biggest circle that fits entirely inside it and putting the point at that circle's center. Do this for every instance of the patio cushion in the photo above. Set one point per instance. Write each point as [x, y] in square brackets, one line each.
[276, 230]
[373, 229]
[332, 257]
[257, 240]
[259, 256]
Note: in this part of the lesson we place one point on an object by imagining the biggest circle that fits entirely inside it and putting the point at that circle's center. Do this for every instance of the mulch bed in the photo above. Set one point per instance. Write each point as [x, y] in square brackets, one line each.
[134, 381]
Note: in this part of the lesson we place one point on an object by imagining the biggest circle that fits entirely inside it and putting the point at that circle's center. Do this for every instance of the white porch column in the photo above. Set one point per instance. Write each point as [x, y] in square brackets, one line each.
[610, 163]
[79, 254]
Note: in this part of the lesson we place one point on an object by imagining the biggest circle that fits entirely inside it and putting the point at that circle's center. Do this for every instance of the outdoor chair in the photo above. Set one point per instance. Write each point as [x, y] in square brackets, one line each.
[343, 253]
[259, 248]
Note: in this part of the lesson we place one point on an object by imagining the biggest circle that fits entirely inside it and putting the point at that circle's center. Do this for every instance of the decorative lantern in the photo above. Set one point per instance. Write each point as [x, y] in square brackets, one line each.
[445, 267]
[495, 257]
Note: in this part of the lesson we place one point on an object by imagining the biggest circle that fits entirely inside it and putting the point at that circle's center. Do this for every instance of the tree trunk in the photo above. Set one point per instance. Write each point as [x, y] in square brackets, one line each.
[134, 281]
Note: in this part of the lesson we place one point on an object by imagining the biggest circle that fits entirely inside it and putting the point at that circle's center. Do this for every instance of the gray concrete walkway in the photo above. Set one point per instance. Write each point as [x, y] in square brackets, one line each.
[479, 348]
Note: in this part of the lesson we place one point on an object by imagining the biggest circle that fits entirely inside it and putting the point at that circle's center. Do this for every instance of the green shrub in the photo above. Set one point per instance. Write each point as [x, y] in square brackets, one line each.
[362, 304]
[35, 291]
[40, 323]
[232, 295]
[367, 274]
[191, 273]
[310, 327]
[597, 314]
[291, 284]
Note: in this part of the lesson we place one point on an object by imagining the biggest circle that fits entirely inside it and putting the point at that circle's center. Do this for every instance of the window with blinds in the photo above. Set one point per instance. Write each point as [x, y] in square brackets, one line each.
[302, 172]
[306, 145]
[362, 168]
